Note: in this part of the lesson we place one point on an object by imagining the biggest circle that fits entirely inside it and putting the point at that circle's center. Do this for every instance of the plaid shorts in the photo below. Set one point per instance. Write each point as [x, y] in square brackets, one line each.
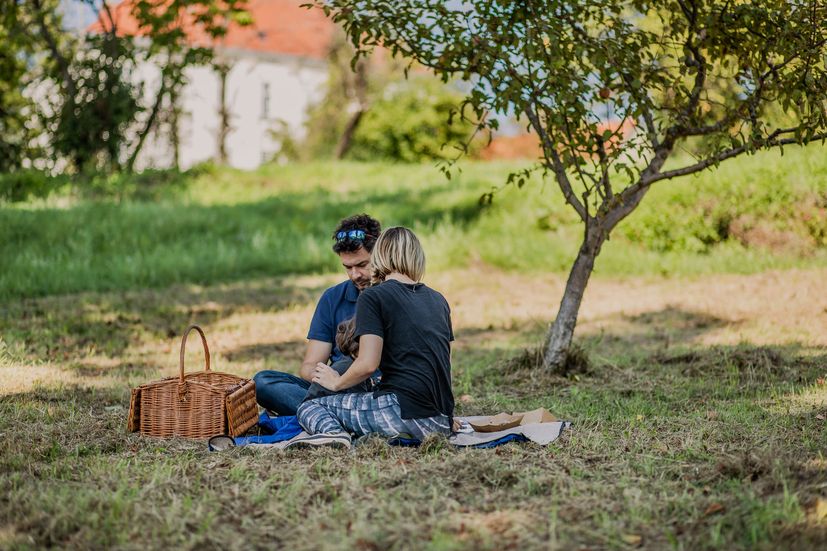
[361, 413]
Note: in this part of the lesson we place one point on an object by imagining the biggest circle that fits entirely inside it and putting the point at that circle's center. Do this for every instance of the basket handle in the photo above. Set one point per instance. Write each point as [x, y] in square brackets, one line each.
[184, 347]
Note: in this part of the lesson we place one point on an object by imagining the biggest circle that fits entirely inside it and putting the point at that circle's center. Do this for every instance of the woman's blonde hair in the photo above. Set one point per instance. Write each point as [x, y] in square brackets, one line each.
[398, 250]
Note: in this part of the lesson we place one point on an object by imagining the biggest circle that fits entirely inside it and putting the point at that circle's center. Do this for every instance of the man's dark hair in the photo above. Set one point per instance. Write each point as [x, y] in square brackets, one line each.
[344, 243]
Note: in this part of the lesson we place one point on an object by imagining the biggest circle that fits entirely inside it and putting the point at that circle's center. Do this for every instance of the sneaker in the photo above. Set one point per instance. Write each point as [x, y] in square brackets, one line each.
[323, 439]
[220, 443]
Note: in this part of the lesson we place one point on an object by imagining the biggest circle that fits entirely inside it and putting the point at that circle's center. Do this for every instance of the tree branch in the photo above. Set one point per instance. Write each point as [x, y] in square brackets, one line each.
[705, 130]
[575, 153]
[604, 169]
[150, 122]
[113, 26]
[728, 154]
[698, 61]
[648, 117]
[549, 149]
[556, 164]
[631, 196]
[774, 68]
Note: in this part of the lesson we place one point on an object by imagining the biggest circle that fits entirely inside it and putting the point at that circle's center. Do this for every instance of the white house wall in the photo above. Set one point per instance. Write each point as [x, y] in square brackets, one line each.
[199, 120]
[294, 84]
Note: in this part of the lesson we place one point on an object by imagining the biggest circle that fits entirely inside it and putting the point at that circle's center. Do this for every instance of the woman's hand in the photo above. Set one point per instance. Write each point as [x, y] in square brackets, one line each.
[326, 376]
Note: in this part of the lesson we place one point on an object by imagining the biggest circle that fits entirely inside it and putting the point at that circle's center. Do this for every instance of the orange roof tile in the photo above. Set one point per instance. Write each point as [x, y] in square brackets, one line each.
[279, 26]
[527, 145]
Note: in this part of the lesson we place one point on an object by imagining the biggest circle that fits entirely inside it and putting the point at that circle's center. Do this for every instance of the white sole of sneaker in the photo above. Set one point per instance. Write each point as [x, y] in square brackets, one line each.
[319, 440]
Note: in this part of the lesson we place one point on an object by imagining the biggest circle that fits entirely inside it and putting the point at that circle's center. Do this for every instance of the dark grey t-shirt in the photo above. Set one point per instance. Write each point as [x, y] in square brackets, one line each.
[414, 322]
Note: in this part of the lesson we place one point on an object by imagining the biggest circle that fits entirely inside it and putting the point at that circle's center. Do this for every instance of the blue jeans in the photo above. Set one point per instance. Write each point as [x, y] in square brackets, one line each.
[280, 392]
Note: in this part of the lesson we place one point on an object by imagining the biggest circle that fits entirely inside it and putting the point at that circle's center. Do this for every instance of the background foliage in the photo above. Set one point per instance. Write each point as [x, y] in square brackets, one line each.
[16, 132]
[410, 123]
[71, 104]
[403, 119]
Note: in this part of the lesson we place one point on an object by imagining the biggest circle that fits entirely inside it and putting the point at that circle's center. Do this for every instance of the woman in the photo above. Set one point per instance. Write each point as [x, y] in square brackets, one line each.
[405, 327]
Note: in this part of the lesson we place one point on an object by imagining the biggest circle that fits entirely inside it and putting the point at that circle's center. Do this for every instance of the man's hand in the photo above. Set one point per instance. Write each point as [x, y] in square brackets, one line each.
[326, 376]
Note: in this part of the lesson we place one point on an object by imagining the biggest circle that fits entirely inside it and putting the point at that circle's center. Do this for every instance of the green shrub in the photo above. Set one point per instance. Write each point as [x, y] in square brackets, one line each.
[759, 202]
[411, 124]
[148, 185]
[22, 185]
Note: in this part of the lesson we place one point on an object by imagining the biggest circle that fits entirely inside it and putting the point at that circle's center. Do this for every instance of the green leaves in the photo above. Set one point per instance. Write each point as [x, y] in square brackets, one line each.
[16, 125]
[694, 74]
[93, 95]
[411, 124]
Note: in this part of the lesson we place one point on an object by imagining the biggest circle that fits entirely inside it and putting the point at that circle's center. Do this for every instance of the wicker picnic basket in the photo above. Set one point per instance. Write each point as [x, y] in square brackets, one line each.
[194, 405]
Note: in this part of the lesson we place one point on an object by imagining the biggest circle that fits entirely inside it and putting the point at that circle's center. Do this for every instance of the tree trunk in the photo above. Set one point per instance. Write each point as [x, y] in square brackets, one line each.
[561, 331]
[347, 136]
[359, 90]
[150, 123]
[223, 112]
[174, 135]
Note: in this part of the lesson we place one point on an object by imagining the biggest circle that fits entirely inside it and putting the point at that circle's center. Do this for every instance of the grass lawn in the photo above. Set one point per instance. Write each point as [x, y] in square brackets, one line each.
[698, 421]
[753, 214]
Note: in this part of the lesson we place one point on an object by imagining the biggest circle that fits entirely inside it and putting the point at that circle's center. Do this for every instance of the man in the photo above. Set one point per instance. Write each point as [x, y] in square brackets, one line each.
[354, 238]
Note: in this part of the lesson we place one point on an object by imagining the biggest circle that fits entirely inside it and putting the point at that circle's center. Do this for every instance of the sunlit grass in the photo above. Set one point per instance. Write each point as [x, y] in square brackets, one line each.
[224, 225]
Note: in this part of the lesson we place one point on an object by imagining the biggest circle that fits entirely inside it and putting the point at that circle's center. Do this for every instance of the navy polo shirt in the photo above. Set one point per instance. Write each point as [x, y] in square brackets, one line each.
[337, 304]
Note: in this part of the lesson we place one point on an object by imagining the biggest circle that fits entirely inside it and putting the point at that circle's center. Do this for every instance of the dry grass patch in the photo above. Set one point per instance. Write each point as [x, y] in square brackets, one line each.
[694, 426]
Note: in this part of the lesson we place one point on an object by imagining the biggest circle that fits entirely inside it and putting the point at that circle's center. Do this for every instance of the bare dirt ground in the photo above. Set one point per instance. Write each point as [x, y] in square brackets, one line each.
[262, 324]
[773, 308]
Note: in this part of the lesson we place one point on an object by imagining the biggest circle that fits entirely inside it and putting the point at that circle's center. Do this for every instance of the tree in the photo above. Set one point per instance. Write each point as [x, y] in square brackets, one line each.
[697, 75]
[170, 27]
[15, 108]
[97, 121]
[222, 69]
[349, 92]
[410, 122]
[95, 102]
[371, 111]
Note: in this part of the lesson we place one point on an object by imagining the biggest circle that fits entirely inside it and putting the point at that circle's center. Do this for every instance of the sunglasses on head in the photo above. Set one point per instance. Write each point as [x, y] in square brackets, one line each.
[353, 235]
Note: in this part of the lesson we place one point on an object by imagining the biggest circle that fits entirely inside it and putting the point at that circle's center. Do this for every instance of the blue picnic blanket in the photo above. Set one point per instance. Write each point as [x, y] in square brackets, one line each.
[412, 442]
[279, 429]
[286, 427]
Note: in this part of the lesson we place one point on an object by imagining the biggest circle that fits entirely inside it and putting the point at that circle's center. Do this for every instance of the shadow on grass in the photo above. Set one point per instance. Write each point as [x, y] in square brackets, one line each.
[265, 351]
[108, 247]
[658, 330]
[638, 356]
[72, 326]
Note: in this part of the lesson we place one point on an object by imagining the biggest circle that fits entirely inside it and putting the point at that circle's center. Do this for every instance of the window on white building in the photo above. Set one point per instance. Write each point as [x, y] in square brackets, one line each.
[265, 101]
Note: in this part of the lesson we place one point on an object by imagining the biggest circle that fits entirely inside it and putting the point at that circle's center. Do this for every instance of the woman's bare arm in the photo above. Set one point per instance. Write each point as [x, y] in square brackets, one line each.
[370, 354]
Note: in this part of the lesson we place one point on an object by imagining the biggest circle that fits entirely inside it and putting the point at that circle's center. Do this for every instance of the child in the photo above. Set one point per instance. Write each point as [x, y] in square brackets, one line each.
[350, 348]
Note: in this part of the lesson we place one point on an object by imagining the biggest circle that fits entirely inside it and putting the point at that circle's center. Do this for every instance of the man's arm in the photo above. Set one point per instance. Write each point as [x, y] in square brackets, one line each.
[316, 352]
[370, 354]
